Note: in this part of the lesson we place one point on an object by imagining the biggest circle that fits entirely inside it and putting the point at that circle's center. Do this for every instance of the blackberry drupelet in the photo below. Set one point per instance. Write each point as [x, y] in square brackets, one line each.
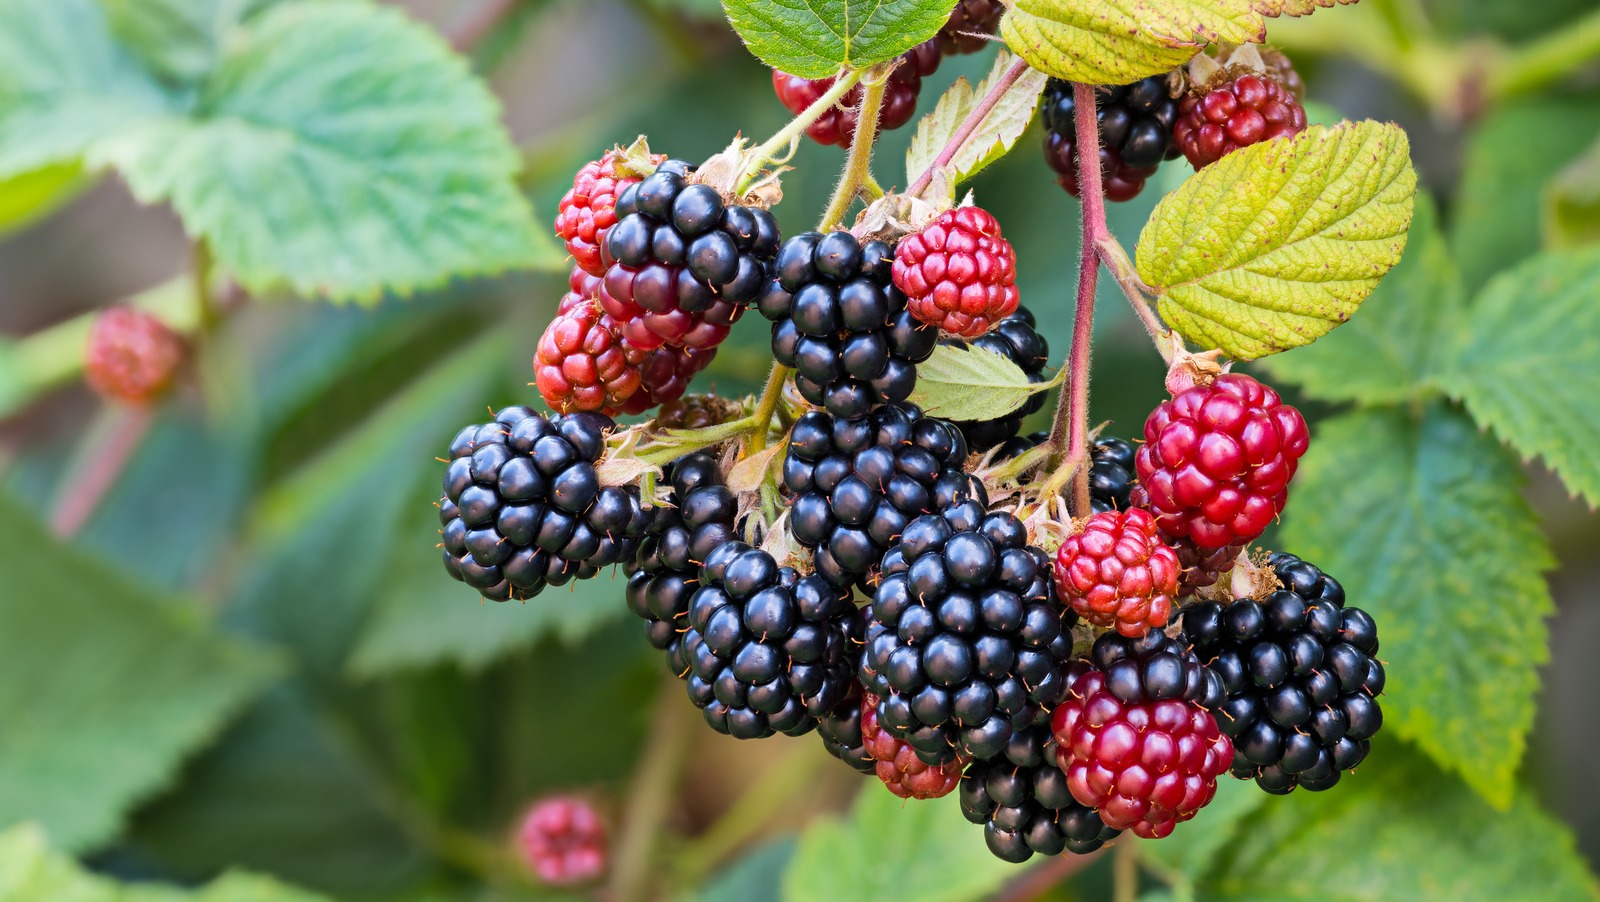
[857, 483]
[964, 31]
[1022, 800]
[958, 272]
[896, 764]
[1301, 676]
[523, 506]
[966, 642]
[769, 651]
[841, 323]
[1135, 134]
[840, 731]
[1017, 339]
[838, 125]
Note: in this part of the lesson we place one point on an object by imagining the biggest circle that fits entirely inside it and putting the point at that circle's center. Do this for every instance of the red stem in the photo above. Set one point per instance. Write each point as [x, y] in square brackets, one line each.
[84, 490]
[969, 125]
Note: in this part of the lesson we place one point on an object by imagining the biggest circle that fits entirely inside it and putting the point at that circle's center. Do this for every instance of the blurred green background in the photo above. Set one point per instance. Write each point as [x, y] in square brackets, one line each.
[371, 730]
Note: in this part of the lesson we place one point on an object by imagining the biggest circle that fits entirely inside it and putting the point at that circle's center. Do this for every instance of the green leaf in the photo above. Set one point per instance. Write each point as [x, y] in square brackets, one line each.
[1193, 849]
[179, 39]
[816, 38]
[752, 877]
[1571, 202]
[31, 872]
[1439, 546]
[343, 151]
[1274, 245]
[1116, 42]
[30, 196]
[963, 382]
[1397, 343]
[1399, 829]
[993, 137]
[104, 689]
[65, 84]
[890, 849]
[1524, 365]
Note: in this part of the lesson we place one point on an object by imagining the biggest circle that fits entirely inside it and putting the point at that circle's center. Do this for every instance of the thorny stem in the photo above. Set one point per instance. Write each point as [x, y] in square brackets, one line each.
[654, 785]
[968, 126]
[770, 396]
[858, 168]
[790, 133]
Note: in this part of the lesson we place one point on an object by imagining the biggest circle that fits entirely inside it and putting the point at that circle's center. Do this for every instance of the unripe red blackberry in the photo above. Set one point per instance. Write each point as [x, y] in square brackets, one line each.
[588, 208]
[664, 374]
[698, 412]
[1244, 110]
[1135, 124]
[582, 287]
[842, 325]
[971, 19]
[1117, 573]
[896, 763]
[1135, 736]
[1301, 677]
[132, 356]
[582, 363]
[1016, 338]
[563, 841]
[1024, 805]
[958, 272]
[1217, 460]
[838, 125]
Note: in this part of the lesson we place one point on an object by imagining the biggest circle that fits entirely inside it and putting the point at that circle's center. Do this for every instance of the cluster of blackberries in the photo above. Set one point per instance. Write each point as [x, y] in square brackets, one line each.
[1022, 800]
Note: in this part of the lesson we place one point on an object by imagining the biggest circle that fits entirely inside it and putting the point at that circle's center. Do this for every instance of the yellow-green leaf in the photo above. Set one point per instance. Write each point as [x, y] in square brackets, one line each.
[1295, 7]
[962, 382]
[1121, 41]
[1572, 202]
[1271, 247]
[31, 195]
[995, 134]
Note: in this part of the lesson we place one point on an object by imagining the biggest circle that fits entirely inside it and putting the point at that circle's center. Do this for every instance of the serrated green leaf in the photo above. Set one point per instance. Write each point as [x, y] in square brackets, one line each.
[1274, 245]
[1434, 540]
[816, 38]
[1116, 42]
[963, 382]
[30, 871]
[889, 849]
[1397, 343]
[1572, 202]
[30, 196]
[1395, 829]
[1525, 363]
[104, 689]
[179, 39]
[993, 137]
[343, 151]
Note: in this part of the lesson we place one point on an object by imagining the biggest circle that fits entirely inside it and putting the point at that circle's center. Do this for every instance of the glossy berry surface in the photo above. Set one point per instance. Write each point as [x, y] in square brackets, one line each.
[1301, 677]
[1217, 460]
[838, 125]
[857, 483]
[896, 763]
[698, 412]
[840, 732]
[588, 209]
[958, 273]
[768, 651]
[1022, 800]
[843, 326]
[523, 506]
[964, 31]
[132, 356]
[664, 374]
[1135, 134]
[1247, 110]
[966, 643]
[1135, 737]
[582, 364]
[1017, 339]
[1116, 573]
[563, 841]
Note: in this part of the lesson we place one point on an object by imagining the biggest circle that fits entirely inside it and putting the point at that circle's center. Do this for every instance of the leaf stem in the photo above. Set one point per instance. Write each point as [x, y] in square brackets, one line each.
[1125, 871]
[654, 783]
[858, 167]
[762, 418]
[790, 133]
[1533, 66]
[968, 126]
[1134, 289]
[205, 304]
[104, 454]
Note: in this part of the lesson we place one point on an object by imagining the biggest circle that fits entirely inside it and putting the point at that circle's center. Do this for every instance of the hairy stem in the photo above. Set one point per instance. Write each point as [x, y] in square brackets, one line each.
[91, 474]
[655, 781]
[969, 125]
[761, 420]
[790, 133]
[1127, 278]
[858, 167]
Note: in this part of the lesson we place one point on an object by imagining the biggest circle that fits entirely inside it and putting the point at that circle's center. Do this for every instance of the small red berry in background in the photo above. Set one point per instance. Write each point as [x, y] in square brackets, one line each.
[588, 209]
[1116, 572]
[582, 363]
[1236, 114]
[563, 841]
[1217, 460]
[132, 356]
[958, 273]
[897, 764]
[838, 125]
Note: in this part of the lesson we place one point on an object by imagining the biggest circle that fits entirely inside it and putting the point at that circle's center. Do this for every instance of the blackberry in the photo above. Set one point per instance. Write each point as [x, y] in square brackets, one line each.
[523, 506]
[563, 840]
[1218, 119]
[680, 539]
[857, 483]
[1135, 134]
[840, 730]
[683, 261]
[1024, 805]
[966, 643]
[1111, 478]
[769, 651]
[1017, 339]
[1301, 676]
[841, 323]
[958, 273]
[897, 765]
[698, 412]
[132, 356]
[838, 125]
[964, 31]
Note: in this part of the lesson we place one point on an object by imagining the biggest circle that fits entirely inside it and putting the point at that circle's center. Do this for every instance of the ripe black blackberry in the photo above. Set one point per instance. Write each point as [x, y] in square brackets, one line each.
[1301, 678]
[1022, 800]
[840, 730]
[1017, 339]
[523, 506]
[1135, 134]
[1111, 478]
[858, 482]
[680, 538]
[769, 651]
[841, 323]
[966, 643]
[683, 261]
